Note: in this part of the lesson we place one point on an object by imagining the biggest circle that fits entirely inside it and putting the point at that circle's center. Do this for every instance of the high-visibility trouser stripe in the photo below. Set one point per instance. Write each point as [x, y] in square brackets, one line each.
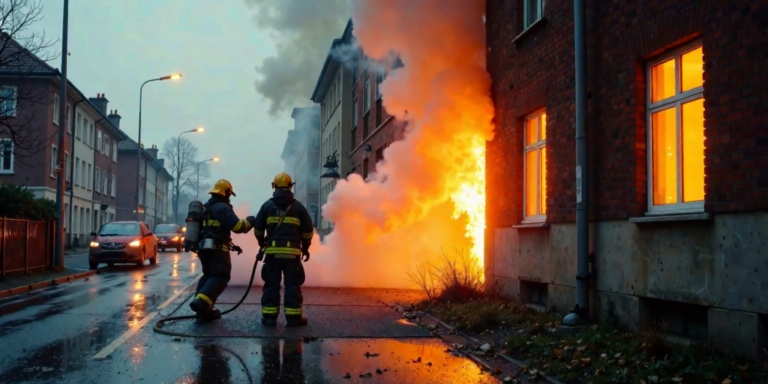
[270, 310]
[205, 298]
[287, 220]
[307, 235]
[282, 250]
[292, 311]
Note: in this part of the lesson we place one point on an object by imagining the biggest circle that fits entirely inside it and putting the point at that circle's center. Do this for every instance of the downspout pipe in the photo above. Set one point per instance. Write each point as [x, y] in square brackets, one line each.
[580, 313]
[72, 170]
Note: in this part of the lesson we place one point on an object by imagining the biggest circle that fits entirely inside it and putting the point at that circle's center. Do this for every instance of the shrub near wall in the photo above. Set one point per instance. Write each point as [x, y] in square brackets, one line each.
[18, 202]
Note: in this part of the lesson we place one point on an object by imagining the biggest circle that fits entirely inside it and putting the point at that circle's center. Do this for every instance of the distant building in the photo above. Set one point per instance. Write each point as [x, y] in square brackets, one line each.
[301, 155]
[154, 181]
[333, 93]
[29, 89]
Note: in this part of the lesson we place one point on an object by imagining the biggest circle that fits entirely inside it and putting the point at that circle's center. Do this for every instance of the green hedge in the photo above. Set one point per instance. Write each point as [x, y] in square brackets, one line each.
[20, 203]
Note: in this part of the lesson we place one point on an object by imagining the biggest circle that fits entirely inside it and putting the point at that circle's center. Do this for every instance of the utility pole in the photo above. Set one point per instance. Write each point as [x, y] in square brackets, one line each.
[61, 171]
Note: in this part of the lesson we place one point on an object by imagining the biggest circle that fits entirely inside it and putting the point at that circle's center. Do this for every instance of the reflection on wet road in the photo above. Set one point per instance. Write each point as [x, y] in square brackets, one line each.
[100, 331]
[50, 333]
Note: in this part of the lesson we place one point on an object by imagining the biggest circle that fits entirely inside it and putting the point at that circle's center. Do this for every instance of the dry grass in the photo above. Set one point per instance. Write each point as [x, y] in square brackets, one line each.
[456, 278]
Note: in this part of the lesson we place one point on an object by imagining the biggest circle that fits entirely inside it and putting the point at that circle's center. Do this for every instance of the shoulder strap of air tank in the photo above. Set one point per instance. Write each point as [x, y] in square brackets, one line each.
[282, 217]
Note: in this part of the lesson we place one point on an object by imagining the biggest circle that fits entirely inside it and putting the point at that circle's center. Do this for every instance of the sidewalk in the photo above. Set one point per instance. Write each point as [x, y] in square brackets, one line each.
[80, 249]
[17, 283]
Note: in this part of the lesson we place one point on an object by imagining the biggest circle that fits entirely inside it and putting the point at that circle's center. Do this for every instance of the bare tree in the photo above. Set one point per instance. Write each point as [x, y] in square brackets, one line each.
[182, 155]
[23, 57]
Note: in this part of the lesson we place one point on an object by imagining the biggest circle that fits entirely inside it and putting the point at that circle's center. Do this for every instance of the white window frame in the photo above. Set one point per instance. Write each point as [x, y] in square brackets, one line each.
[536, 146]
[106, 146]
[13, 100]
[99, 141]
[114, 185]
[367, 96]
[676, 102]
[54, 159]
[105, 184]
[3, 143]
[539, 4]
[56, 109]
[114, 151]
[79, 125]
[91, 133]
[67, 160]
[97, 179]
[69, 116]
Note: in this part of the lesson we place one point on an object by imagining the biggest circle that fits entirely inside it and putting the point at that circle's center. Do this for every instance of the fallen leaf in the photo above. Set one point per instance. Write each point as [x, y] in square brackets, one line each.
[727, 381]
[558, 352]
[677, 379]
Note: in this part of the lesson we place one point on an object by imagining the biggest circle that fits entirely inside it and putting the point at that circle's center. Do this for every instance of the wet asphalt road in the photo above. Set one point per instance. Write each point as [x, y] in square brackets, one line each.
[100, 331]
[78, 260]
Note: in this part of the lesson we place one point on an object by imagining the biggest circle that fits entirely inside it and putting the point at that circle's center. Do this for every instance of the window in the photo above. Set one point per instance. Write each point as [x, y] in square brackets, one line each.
[106, 145]
[89, 184]
[54, 160]
[99, 144]
[69, 114]
[76, 176]
[114, 186]
[6, 156]
[365, 168]
[367, 96]
[533, 10]
[535, 167]
[353, 139]
[97, 180]
[676, 132]
[141, 168]
[56, 109]
[379, 79]
[114, 151]
[8, 100]
[104, 183]
[90, 134]
[354, 113]
[79, 126]
[67, 163]
[141, 195]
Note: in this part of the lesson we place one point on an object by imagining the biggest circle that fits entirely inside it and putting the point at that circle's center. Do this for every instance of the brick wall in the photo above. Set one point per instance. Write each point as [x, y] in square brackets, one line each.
[537, 71]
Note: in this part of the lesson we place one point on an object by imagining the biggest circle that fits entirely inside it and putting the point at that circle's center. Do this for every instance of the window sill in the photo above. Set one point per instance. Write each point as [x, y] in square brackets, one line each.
[671, 218]
[6, 172]
[527, 31]
[524, 225]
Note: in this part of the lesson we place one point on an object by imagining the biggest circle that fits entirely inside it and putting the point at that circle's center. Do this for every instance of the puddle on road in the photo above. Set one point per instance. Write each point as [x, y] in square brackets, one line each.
[290, 361]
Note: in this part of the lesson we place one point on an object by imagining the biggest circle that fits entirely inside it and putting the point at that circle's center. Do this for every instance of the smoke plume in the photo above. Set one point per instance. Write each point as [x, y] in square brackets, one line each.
[303, 31]
[427, 195]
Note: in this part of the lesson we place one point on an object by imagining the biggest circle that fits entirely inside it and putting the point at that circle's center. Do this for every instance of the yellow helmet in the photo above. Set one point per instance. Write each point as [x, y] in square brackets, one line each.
[223, 188]
[282, 180]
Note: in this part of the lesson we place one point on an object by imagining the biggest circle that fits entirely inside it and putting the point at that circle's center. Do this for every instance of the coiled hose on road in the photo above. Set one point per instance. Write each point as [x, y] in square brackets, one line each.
[159, 324]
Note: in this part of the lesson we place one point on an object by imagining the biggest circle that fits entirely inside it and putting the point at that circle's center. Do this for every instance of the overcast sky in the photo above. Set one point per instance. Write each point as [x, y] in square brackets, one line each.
[116, 45]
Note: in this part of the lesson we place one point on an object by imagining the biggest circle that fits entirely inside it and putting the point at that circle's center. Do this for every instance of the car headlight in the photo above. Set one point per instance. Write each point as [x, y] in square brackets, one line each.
[175, 238]
[134, 243]
[94, 244]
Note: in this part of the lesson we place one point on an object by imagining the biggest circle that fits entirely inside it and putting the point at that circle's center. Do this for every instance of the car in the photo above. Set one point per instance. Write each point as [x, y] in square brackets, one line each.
[170, 236]
[122, 242]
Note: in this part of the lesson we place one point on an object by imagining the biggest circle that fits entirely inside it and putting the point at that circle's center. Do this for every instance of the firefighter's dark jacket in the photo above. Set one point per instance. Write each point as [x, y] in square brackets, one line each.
[222, 220]
[296, 231]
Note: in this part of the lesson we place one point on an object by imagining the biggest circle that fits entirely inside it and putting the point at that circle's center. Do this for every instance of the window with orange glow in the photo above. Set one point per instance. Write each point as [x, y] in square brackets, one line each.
[676, 132]
[535, 169]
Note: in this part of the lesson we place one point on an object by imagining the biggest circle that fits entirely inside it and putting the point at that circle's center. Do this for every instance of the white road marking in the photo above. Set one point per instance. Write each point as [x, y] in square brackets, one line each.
[172, 298]
[106, 351]
[125, 336]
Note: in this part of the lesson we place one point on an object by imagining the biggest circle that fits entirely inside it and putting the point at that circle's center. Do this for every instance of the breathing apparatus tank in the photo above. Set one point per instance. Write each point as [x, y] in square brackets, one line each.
[194, 222]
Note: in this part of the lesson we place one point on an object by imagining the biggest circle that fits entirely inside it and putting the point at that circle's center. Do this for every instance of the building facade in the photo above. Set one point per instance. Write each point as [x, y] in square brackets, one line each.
[301, 154]
[333, 94]
[30, 95]
[153, 185]
[678, 150]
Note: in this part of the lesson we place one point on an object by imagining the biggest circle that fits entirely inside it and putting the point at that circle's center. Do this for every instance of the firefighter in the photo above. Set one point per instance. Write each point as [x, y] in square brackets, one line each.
[219, 222]
[286, 245]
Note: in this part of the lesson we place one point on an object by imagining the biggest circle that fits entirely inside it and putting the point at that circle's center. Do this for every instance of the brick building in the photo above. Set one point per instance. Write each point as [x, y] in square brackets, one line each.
[678, 156]
[373, 129]
[29, 90]
[154, 182]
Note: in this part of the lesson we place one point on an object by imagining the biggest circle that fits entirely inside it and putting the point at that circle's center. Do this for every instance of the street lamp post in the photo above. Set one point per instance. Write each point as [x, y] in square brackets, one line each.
[138, 143]
[178, 170]
[197, 187]
[58, 248]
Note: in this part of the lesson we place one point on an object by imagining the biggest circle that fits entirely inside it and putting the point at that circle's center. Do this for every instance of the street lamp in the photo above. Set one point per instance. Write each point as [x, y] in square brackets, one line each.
[197, 189]
[331, 166]
[138, 142]
[177, 175]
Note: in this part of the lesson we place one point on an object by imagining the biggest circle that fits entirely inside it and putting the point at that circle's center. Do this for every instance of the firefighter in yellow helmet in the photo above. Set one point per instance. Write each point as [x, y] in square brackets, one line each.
[284, 246]
[219, 221]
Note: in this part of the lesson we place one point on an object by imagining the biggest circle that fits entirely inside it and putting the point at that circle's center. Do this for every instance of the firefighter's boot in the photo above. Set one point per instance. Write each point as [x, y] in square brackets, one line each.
[269, 321]
[296, 320]
[202, 307]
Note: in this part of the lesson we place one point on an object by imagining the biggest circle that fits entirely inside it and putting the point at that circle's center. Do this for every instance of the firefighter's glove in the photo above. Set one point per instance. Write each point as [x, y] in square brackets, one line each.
[260, 255]
[261, 242]
[251, 220]
[305, 253]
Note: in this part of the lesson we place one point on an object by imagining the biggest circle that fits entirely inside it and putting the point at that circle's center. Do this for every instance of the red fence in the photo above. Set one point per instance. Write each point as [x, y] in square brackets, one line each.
[25, 245]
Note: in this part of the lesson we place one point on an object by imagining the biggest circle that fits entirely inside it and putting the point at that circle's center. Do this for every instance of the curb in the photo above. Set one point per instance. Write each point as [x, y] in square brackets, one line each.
[44, 284]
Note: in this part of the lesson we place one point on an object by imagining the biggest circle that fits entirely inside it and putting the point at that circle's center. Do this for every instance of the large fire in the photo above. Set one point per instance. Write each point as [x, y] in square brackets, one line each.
[427, 197]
